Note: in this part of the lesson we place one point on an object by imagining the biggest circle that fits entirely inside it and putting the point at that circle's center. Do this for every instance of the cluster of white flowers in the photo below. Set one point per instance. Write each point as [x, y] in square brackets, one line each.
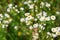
[44, 4]
[27, 19]
[5, 20]
[51, 35]
[31, 6]
[56, 30]
[11, 7]
[42, 16]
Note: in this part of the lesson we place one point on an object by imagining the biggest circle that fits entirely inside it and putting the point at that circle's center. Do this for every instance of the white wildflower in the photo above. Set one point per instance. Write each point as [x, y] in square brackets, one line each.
[42, 18]
[25, 2]
[47, 4]
[28, 22]
[30, 27]
[29, 1]
[13, 7]
[39, 30]
[27, 14]
[57, 12]
[8, 10]
[48, 33]
[53, 17]
[53, 30]
[15, 27]
[57, 33]
[41, 26]
[44, 13]
[31, 6]
[35, 19]
[35, 25]
[22, 8]
[42, 4]
[7, 15]
[10, 5]
[22, 19]
[16, 6]
[47, 18]
[44, 24]
[29, 18]
[54, 35]
[58, 29]
[16, 10]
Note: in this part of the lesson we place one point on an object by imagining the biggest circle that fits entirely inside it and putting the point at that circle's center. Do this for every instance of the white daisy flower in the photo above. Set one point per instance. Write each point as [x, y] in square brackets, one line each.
[27, 14]
[16, 27]
[57, 12]
[10, 20]
[54, 35]
[25, 2]
[53, 17]
[42, 4]
[47, 4]
[30, 27]
[47, 18]
[58, 29]
[6, 15]
[29, 17]
[8, 10]
[16, 6]
[41, 26]
[44, 24]
[29, 1]
[35, 25]
[39, 15]
[42, 18]
[10, 5]
[16, 10]
[57, 33]
[44, 13]
[35, 19]
[22, 8]
[22, 20]
[48, 33]
[13, 7]
[6, 25]
[28, 22]
[31, 6]
[53, 30]
[39, 30]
